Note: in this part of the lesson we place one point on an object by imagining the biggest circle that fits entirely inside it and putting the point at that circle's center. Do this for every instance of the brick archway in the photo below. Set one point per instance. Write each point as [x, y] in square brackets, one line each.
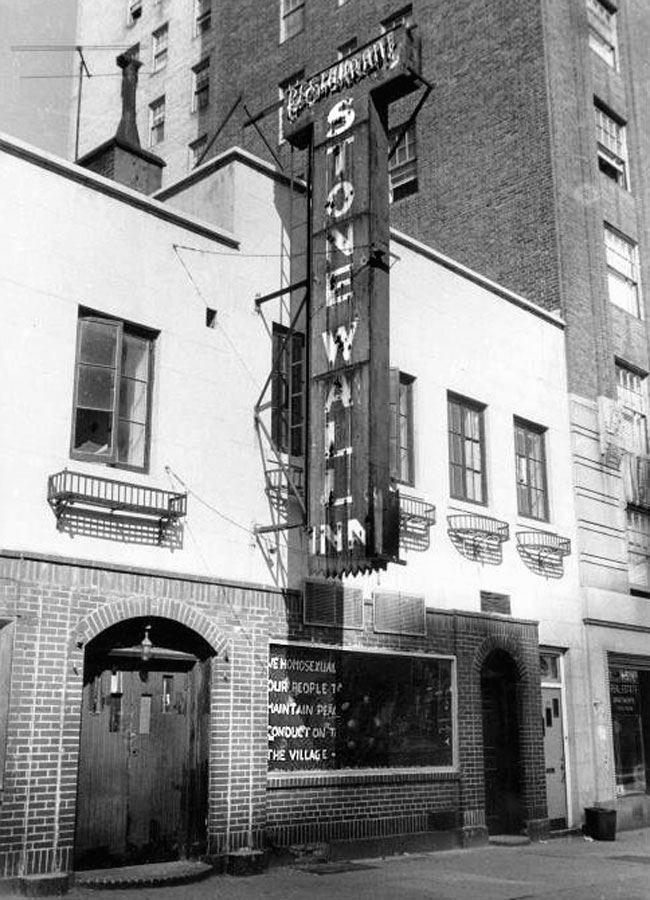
[134, 607]
[506, 644]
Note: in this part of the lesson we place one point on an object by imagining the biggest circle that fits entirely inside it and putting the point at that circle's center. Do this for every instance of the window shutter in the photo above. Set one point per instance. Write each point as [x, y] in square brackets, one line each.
[397, 613]
[393, 430]
[333, 605]
[96, 390]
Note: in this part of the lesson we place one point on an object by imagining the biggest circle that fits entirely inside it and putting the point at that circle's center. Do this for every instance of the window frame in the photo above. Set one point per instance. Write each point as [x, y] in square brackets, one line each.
[283, 87]
[402, 16]
[157, 127]
[201, 87]
[527, 488]
[288, 436]
[603, 31]
[611, 143]
[288, 10]
[159, 49]
[403, 165]
[465, 403]
[617, 275]
[202, 17]
[632, 399]
[402, 427]
[201, 142]
[111, 457]
[637, 542]
[348, 47]
[133, 12]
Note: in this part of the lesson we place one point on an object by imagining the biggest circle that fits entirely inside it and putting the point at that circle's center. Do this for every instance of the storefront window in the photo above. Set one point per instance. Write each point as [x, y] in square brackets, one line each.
[630, 699]
[332, 709]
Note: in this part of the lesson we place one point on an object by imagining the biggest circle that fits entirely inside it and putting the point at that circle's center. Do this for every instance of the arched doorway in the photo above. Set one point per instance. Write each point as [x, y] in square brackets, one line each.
[144, 749]
[501, 744]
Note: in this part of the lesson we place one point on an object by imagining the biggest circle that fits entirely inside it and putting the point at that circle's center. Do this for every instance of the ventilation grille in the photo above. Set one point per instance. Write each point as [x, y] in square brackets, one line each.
[495, 603]
[332, 605]
[397, 613]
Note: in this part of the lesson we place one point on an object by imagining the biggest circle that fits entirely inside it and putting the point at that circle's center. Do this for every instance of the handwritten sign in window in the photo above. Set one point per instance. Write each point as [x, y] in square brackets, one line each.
[336, 709]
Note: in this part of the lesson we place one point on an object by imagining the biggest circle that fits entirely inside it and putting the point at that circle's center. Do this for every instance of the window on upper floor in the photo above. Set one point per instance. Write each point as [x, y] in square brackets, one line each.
[201, 85]
[134, 11]
[159, 41]
[196, 150]
[530, 467]
[403, 165]
[292, 18]
[466, 433]
[283, 87]
[202, 16]
[632, 396]
[114, 366]
[403, 16]
[612, 147]
[622, 271]
[287, 390]
[638, 547]
[602, 31]
[347, 48]
[157, 121]
[402, 450]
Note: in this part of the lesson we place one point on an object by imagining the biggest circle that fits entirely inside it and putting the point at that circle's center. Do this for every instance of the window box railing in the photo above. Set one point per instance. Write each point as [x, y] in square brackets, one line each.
[543, 552]
[416, 517]
[75, 496]
[478, 538]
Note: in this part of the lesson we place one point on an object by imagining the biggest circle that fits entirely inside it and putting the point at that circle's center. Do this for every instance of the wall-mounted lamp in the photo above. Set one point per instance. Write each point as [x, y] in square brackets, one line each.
[146, 646]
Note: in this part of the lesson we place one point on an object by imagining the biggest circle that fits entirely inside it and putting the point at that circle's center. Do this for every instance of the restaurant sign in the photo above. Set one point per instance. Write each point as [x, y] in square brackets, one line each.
[353, 508]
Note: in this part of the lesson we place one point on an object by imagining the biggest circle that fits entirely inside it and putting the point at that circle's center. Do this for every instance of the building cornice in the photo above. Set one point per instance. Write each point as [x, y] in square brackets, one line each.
[424, 250]
[233, 154]
[617, 626]
[165, 574]
[101, 185]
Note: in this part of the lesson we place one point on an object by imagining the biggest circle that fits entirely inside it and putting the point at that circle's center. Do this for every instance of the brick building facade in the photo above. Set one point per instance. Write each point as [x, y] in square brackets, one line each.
[58, 606]
[155, 617]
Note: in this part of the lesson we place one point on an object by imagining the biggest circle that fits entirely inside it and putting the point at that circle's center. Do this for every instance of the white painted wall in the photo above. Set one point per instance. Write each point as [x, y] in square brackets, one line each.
[453, 334]
[66, 245]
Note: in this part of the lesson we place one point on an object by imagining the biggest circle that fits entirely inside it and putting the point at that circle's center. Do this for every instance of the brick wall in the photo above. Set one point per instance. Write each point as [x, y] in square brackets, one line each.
[58, 606]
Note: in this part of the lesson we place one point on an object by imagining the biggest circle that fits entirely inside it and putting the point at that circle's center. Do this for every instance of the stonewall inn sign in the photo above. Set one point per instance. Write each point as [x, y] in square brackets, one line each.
[341, 115]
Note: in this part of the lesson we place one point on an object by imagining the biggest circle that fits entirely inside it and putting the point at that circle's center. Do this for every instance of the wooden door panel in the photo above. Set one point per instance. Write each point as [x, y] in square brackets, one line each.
[157, 760]
[554, 755]
[142, 791]
[102, 784]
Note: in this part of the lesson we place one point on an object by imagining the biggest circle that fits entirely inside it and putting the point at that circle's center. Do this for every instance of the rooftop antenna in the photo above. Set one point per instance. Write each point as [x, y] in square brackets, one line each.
[82, 68]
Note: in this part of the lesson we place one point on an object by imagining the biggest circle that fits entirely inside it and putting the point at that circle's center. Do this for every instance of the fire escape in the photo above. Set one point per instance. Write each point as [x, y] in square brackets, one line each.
[279, 417]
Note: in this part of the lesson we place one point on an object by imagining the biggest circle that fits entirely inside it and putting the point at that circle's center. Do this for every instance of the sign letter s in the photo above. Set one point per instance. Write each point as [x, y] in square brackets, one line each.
[340, 117]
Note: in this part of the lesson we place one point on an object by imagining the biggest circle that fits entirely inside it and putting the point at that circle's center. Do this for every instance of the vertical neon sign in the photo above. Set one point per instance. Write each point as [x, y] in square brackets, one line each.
[353, 508]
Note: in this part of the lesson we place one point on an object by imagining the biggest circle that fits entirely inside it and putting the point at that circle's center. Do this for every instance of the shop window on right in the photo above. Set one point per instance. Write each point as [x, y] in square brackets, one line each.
[629, 689]
[403, 164]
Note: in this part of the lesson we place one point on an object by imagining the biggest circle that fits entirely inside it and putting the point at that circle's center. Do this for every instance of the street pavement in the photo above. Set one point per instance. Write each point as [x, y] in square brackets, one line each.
[568, 868]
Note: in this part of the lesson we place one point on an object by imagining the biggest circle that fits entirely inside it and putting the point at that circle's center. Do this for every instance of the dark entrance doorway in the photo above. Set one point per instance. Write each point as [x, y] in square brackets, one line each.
[143, 767]
[503, 807]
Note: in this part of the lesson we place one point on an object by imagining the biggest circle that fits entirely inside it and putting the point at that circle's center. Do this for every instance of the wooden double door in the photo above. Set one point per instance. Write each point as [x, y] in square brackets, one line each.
[143, 769]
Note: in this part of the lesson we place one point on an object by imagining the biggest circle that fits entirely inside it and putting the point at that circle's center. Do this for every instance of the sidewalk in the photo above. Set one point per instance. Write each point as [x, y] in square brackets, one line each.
[569, 868]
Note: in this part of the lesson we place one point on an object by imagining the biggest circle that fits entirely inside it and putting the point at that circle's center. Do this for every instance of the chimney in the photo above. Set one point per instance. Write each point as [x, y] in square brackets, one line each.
[122, 158]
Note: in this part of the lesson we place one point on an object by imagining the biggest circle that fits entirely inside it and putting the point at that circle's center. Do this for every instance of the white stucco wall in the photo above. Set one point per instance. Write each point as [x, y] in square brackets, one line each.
[67, 244]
